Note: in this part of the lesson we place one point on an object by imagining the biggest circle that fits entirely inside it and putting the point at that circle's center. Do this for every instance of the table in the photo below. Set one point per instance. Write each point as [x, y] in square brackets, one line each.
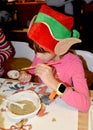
[82, 117]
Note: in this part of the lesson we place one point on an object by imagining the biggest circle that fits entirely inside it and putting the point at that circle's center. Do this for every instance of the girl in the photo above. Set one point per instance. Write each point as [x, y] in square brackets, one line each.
[51, 31]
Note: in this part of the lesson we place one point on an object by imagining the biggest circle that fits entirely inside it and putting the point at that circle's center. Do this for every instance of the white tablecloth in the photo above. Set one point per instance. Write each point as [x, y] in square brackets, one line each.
[57, 115]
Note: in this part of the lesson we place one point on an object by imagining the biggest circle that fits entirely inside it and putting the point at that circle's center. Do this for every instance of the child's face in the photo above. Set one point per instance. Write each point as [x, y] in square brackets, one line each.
[46, 56]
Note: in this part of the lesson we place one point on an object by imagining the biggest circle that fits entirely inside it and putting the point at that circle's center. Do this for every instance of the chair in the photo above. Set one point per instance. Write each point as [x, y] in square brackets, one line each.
[87, 59]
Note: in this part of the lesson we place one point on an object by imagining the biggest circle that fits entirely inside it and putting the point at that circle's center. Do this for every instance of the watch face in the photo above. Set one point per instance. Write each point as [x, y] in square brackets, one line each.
[62, 88]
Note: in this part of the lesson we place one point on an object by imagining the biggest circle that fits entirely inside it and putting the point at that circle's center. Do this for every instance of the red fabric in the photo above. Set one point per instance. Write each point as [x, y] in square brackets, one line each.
[40, 33]
[42, 36]
[65, 20]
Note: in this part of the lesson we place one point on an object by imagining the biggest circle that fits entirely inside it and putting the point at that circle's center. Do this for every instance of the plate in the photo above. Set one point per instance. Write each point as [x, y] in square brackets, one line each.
[26, 95]
[13, 74]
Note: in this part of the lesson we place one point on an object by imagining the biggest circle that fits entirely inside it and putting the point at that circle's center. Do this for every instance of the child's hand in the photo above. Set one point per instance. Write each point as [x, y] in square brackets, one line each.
[46, 74]
[24, 77]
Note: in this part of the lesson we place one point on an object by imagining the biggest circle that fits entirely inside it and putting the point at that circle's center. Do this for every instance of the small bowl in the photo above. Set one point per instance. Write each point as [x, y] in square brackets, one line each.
[13, 74]
[27, 95]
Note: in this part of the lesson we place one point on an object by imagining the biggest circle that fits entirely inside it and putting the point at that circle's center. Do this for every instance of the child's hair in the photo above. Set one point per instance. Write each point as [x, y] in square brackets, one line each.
[37, 48]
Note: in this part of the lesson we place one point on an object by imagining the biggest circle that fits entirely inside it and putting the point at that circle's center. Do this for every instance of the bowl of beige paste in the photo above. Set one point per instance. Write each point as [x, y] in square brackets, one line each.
[31, 101]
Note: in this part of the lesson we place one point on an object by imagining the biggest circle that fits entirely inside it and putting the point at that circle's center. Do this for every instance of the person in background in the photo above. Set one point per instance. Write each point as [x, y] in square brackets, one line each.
[6, 51]
[53, 35]
[69, 7]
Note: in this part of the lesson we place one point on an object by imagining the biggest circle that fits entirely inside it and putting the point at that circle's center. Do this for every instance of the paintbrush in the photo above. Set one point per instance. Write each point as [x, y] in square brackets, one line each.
[53, 94]
[33, 67]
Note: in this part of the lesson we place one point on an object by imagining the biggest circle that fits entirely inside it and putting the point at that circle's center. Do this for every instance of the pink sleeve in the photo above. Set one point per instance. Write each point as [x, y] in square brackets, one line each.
[79, 97]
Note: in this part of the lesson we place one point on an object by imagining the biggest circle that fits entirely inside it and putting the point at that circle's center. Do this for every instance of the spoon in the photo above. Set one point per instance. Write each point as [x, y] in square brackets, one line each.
[15, 103]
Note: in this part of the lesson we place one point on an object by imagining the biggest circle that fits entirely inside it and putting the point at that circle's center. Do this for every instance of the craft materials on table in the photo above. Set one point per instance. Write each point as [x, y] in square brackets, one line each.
[57, 114]
[14, 74]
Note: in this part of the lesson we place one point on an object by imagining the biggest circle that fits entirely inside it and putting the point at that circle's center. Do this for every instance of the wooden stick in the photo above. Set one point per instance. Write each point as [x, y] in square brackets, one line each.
[33, 67]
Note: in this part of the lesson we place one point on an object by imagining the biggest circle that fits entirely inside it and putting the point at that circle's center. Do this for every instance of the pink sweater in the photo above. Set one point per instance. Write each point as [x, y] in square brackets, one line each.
[70, 70]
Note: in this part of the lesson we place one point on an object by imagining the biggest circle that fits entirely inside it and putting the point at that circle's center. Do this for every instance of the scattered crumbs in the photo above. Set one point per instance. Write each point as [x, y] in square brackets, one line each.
[53, 119]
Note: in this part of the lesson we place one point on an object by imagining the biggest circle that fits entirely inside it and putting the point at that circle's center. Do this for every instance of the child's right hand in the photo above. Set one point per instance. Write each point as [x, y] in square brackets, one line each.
[24, 77]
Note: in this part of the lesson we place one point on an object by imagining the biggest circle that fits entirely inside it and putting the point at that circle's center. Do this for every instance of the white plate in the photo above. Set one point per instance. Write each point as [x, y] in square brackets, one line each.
[24, 95]
[13, 74]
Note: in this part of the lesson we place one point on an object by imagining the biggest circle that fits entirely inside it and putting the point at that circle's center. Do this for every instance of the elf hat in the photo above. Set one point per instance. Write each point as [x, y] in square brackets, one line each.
[52, 30]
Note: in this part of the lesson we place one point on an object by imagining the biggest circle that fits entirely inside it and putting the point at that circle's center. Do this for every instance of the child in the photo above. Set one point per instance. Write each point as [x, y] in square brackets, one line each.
[51, 32]
[6, 51]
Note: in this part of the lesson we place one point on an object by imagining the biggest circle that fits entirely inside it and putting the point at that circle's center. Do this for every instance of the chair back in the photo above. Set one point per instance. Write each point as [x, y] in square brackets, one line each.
[88, 57]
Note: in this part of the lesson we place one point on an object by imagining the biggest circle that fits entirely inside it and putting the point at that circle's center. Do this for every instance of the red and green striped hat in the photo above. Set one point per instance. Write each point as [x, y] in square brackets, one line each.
[49, 27]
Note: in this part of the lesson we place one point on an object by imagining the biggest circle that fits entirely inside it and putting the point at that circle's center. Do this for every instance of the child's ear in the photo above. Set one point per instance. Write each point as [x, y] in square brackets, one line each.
[64, 45]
